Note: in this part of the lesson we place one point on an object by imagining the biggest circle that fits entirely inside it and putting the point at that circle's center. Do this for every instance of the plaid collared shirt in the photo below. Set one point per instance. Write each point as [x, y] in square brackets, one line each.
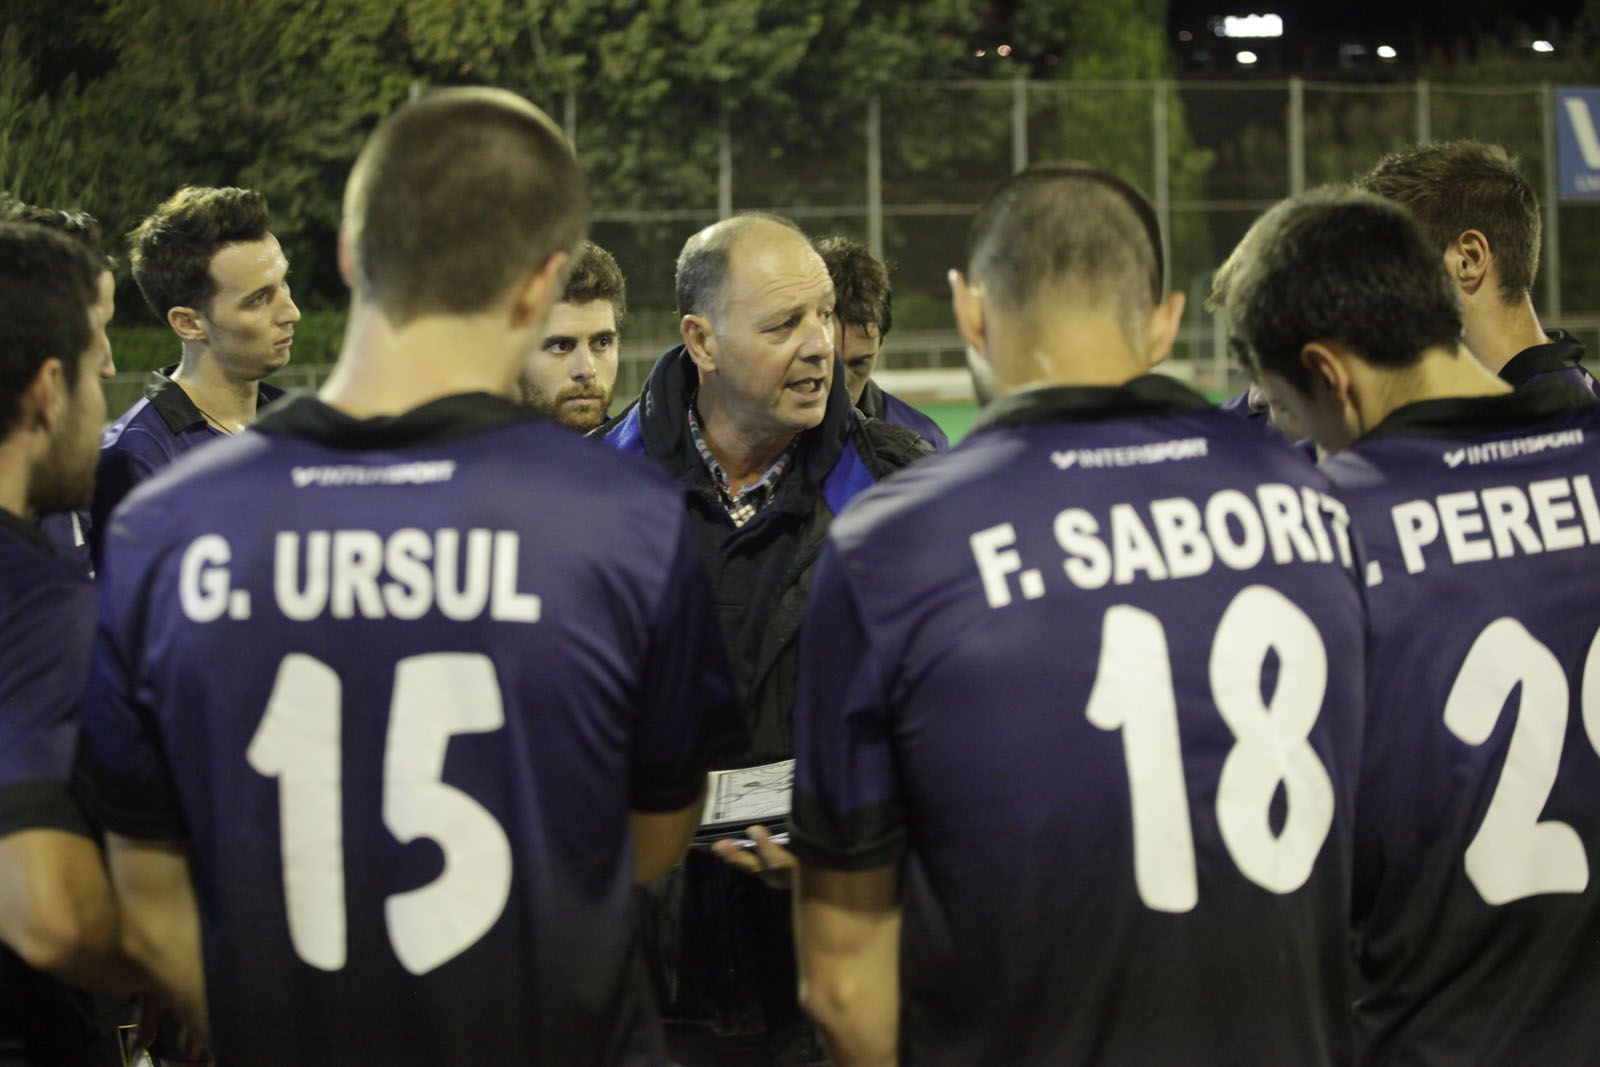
[741, 506]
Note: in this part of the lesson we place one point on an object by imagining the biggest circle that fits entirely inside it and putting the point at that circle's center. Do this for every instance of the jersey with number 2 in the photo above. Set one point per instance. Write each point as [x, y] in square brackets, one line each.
[1478, 914]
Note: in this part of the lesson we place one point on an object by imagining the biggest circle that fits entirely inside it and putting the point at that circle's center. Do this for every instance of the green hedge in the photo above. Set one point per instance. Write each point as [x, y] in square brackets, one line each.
[144, 348]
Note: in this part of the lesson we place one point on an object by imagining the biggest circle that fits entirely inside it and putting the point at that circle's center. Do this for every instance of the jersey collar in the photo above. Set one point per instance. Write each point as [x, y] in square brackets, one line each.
[1560, 353]
[26, 530]
[172, 403]
[449, 418]
[1472, 416]
[1152, 394]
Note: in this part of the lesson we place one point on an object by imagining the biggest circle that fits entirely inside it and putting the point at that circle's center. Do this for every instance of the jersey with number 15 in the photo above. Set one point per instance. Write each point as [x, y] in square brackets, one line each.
[1095, 677]
[398, 683]
[1476, 901]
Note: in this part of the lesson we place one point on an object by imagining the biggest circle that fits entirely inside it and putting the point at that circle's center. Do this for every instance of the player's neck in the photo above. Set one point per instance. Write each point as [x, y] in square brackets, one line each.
[384, 370]
[15, 471]
[743, 452]
[1443, 373]
[1070, 350]
[226, 403]
[1497, 331]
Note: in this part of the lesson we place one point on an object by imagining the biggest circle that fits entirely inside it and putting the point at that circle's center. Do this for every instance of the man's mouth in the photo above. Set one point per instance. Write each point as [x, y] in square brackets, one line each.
[284, 342]
[806, 386]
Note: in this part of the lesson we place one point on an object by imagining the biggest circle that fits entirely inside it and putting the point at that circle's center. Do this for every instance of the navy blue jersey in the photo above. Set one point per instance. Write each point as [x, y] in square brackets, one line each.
[1096, 676]
[399, 683]
[1479, 813]
[161, 426]
[46, 632]
[68, 532]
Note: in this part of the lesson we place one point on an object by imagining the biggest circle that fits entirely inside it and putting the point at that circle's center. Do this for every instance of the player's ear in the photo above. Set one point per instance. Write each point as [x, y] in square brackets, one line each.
[966, 303]
[1162, 329]
[1468, 259]
[186, 323]
[700, 339]
[347, 259]
[45, 402]
[538, 290]
[1325, 364]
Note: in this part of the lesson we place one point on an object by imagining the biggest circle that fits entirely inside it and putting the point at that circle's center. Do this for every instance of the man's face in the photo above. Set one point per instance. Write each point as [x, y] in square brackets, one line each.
[570, 378]
[858, 347]
[1318, 416]
[65, 479]
[250, 322]
[773, 344]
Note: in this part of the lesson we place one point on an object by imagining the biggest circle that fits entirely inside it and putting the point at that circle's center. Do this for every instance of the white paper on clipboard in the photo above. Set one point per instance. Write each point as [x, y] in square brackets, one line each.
[748, 795]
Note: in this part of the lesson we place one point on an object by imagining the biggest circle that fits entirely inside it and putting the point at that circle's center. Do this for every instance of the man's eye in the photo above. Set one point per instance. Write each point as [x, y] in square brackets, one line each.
[558, 348]
[603, 342]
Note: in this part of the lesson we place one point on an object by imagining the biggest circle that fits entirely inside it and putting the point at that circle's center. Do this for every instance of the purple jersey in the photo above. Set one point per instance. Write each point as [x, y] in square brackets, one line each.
[1478, 919]
[399, 682]
[46, 632]
[1096, 676]
[161, 426]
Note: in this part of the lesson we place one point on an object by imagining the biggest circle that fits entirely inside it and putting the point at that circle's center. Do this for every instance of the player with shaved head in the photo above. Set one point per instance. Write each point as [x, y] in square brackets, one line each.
[1080, 700]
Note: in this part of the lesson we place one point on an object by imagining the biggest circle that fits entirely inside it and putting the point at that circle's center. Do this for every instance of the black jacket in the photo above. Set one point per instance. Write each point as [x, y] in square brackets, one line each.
[761, 572]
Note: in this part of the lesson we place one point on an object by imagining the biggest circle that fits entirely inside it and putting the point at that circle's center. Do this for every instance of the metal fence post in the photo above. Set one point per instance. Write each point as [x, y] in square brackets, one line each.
[1297, 136]
[875, 175]
[724, 168]
[1019, 124]
[1424, 111]
[1552, 206]
[1161, 169]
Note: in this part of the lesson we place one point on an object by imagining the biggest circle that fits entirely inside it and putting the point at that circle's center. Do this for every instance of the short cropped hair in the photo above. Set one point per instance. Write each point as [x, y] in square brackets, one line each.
[860, 284]
[702, 272]
[456, 196]
[1342, 265]
[171, 249]
[1068, 223]
[48, 283]
[596, 276]
[78, 225]
[1456, 186]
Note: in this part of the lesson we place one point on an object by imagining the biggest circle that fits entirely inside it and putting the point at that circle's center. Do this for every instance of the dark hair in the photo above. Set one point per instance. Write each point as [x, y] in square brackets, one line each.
[596, 276]
[1068, 221]
[702, 271]
[1340, 265]
[860, 284]
[48, 283]
[1456, 186]
[455, 197]
[79, 225]
[171, 249]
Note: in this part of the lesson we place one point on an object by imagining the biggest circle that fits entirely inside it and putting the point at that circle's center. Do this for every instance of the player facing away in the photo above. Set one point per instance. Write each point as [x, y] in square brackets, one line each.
[1076, 757]
[1477, 912]
[1482, 218]
[399, 693]
[57, 916]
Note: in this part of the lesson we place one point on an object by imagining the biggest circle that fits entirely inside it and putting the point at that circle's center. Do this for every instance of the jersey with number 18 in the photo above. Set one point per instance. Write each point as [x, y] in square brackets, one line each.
[1095, 677]
[1477, 909]
[397, 683]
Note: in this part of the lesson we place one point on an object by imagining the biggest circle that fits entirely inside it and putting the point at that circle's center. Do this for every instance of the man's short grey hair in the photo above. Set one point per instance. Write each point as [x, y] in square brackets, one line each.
[702, 274]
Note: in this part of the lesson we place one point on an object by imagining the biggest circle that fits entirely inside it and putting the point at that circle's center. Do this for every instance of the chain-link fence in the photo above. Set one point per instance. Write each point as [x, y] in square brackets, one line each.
[905, 173]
